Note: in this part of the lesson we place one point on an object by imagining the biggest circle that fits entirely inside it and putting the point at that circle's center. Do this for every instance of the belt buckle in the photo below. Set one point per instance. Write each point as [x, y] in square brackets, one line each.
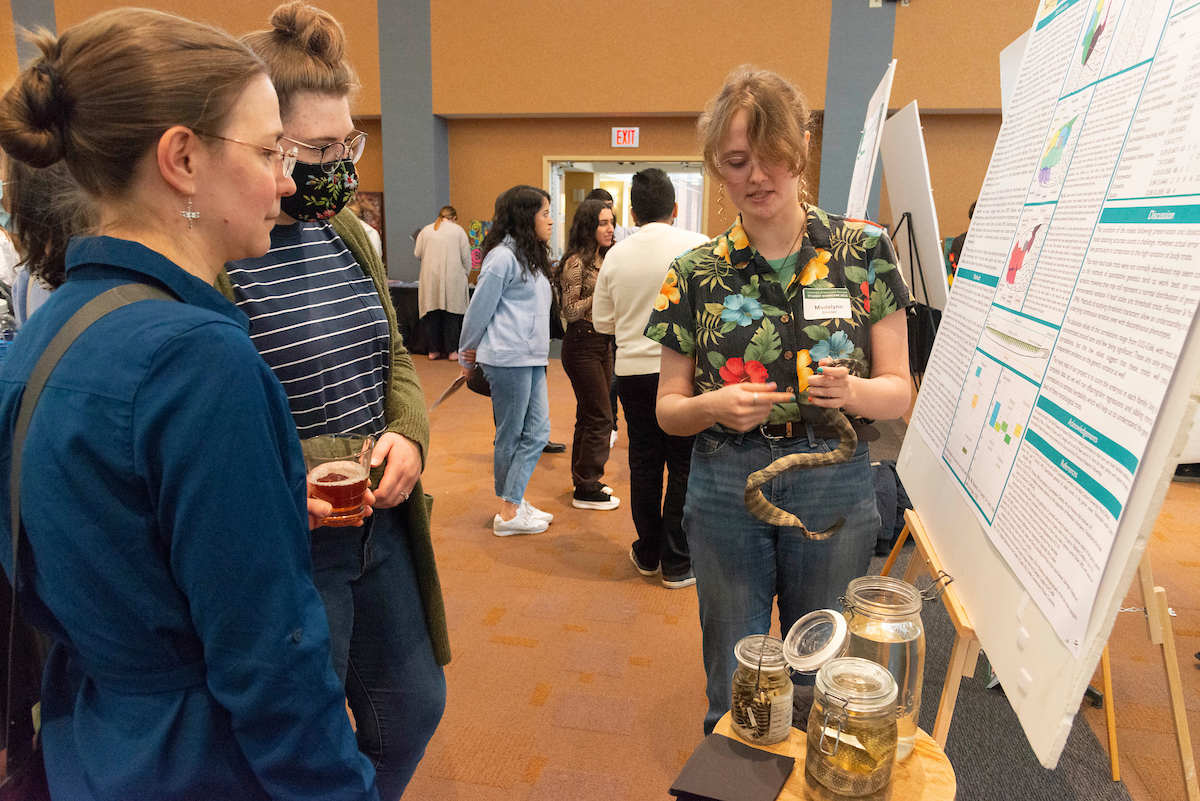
[787, 432]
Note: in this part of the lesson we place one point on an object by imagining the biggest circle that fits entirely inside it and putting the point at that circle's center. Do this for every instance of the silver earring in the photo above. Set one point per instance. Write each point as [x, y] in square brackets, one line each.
[191, 215]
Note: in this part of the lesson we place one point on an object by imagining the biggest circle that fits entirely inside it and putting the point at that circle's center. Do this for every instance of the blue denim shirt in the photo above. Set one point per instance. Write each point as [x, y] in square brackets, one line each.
[166, 550]
[508, 321]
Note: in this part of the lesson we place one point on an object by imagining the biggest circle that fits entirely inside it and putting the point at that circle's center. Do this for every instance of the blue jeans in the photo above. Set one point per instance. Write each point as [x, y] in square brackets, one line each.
[522, 412]
[380, 643]
[742, 564]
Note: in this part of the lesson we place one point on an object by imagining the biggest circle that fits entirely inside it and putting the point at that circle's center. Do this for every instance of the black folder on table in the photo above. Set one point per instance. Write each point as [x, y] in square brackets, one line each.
[724, 769]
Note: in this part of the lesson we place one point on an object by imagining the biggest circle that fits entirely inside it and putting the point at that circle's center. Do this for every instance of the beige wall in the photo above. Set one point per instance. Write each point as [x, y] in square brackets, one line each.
[948, 51]
[358, 17]
[619, 57]
[489, 156]
[489, 60]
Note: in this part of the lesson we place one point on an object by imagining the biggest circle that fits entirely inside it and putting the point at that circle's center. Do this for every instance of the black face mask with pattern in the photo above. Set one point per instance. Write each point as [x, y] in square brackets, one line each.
[319, 196]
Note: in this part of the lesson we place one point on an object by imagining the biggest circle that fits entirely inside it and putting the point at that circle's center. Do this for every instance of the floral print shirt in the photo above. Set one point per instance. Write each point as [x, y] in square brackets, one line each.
[723, 305]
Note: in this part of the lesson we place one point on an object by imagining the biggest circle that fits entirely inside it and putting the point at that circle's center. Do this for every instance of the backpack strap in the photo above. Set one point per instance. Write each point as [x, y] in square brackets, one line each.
[79, 322]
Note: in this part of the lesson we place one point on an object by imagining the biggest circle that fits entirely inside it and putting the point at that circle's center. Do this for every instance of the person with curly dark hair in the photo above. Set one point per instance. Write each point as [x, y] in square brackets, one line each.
[587, 355]
[48, 208]
[506, 332]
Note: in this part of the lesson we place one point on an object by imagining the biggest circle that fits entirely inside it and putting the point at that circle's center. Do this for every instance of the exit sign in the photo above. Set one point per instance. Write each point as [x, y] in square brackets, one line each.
[625, 137]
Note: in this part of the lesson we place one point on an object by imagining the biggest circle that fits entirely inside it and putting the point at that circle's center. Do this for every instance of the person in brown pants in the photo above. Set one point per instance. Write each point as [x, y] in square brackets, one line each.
[587, 355]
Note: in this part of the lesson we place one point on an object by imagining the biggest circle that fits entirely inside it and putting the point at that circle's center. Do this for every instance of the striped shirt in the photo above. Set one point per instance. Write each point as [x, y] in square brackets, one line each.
[317, 321]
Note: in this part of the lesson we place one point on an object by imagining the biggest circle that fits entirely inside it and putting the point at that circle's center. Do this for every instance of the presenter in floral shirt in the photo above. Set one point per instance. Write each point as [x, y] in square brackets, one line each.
[751, 324]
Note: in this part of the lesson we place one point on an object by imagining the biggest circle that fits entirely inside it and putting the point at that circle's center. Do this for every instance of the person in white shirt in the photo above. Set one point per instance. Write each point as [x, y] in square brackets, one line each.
[626, 290]
[445, 255]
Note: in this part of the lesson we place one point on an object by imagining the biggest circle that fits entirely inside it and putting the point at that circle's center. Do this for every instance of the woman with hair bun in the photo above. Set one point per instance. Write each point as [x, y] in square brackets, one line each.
[322, 319]
[164, 545]
[757, 370]
[445, 255]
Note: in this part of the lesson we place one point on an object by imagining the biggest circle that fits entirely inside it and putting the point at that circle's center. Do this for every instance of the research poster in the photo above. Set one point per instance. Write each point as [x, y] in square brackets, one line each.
[1078, 283]
[868, 147]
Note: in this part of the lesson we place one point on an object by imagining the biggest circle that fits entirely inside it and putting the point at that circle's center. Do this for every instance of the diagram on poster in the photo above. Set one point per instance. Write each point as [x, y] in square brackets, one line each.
[1075, 296]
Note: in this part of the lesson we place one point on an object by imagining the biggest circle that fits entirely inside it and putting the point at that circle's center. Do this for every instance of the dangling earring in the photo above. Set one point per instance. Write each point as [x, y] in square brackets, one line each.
[802, 192]
[191, 215]
[720, 200]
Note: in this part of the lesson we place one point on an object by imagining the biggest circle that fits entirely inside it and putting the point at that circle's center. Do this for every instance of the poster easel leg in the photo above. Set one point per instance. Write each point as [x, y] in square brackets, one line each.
[1175, 686]
[1110, 714]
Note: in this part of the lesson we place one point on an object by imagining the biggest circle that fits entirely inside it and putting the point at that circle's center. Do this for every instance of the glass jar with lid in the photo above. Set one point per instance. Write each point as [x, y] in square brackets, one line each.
[762, 691]
[852, 727]
[883, 615]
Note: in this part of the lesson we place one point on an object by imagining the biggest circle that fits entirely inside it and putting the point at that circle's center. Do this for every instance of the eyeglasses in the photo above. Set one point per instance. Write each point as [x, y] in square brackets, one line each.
[285, 159]
[329, 155]
[738, 168]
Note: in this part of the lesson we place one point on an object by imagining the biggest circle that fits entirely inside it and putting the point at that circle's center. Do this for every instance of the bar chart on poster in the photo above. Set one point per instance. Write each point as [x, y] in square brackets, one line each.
[1061, 370]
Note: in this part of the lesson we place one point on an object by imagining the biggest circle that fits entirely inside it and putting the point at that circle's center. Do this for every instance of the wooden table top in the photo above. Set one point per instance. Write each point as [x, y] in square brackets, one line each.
[925, 775]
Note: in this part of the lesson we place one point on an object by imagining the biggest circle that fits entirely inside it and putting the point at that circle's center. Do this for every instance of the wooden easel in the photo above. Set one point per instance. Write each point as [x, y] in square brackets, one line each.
[965, 652]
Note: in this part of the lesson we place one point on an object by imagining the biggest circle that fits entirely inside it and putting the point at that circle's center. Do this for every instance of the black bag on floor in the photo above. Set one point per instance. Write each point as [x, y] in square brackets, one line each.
[891, 500]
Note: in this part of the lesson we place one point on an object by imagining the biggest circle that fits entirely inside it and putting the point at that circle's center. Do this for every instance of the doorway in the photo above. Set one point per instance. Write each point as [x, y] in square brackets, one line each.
[569, 181]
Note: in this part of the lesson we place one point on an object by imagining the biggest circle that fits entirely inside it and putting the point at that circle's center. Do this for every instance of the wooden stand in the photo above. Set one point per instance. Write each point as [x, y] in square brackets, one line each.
[966, 650]
[924, 775]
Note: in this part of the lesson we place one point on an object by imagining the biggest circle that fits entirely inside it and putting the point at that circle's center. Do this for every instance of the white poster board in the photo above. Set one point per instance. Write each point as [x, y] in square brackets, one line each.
[1053, 407]
[868, 147]
[906, 168]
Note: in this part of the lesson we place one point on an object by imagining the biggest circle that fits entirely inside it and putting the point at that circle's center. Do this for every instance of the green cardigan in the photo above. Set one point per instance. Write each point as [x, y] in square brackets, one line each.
[404, 410]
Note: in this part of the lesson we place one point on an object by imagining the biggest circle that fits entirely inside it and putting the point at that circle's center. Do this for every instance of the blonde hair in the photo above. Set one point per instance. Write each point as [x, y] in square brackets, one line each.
[305, 51]
[102, 94]
[447, 213]
[777, 119]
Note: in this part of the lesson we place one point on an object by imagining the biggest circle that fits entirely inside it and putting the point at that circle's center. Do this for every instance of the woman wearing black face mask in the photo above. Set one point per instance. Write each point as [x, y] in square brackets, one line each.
[321, 318]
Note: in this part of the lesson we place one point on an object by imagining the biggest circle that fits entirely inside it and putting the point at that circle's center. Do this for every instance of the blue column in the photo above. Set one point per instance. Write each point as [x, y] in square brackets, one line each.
[416, 150]
[31, 15]
[860, 49]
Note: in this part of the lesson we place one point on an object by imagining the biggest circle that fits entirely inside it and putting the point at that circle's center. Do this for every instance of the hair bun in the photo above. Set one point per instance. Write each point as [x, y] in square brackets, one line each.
[35, 114]
[311, 29]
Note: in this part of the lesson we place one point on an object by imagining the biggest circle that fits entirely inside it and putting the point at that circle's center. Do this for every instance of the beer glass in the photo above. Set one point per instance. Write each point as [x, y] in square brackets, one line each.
[339, 468]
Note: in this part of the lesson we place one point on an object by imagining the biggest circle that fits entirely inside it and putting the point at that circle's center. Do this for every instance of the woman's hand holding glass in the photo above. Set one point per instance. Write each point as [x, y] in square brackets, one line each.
[742, 407]
[318, 510]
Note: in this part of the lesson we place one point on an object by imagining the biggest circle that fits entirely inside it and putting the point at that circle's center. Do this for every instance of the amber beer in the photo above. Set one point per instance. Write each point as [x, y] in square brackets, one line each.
[341, 484]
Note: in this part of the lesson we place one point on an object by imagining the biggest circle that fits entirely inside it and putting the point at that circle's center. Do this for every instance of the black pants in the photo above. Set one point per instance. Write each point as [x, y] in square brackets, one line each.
[587, 358]
[658, 518]
[442, 330]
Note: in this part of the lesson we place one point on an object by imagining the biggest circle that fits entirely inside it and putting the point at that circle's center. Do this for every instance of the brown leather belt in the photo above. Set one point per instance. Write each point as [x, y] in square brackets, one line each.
[866, 432]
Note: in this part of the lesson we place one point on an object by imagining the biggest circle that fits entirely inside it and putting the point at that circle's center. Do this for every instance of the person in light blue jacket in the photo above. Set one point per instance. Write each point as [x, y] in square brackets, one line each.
[506, 331]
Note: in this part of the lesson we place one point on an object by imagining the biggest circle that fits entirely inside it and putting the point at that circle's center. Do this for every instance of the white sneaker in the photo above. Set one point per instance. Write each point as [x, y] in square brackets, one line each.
[536, 513]
[612, 438]
[521, 523]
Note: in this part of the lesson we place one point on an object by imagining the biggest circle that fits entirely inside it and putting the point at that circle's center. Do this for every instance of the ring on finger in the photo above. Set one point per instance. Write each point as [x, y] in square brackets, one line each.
[405, 494]
[755, 398]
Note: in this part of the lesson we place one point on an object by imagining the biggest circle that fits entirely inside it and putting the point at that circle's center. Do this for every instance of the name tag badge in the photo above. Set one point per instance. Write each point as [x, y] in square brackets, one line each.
[825, 303]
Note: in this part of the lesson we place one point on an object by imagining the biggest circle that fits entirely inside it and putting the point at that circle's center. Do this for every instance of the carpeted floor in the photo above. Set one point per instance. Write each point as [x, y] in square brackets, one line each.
[575, 678]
